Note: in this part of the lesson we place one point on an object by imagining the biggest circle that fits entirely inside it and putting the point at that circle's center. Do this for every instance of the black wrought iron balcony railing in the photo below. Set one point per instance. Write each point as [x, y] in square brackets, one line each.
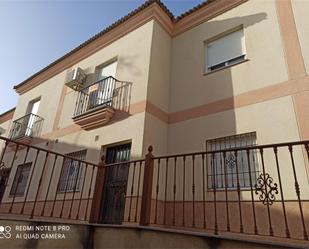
[108, 92]
[27, 126]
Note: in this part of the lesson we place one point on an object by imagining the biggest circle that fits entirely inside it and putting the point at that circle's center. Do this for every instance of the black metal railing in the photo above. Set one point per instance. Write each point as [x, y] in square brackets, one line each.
[35, 192]
[257, 190]
[106, 92]
[27, 126]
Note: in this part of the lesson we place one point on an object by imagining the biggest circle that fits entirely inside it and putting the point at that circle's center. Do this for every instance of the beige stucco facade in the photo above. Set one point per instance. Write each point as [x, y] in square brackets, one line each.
[175, 105]
[168, 73]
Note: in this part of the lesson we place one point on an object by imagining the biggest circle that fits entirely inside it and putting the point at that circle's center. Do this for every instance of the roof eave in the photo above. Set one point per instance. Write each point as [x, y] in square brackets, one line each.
[116, 24]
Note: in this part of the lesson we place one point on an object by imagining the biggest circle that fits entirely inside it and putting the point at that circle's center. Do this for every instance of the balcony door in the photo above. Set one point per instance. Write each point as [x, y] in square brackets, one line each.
[115, 184]
[107, 71]
[31, 120]
[102, 92]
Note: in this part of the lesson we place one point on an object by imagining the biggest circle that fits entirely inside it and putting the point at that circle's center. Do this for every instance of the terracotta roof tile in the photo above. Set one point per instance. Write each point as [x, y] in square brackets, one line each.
[190, 11]
[115, 24]
[104, 31]
[7, 112]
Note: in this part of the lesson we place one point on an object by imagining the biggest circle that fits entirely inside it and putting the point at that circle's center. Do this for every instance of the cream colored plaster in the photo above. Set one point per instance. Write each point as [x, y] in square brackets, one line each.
[49, 92]
[266, 65]
[274, 122]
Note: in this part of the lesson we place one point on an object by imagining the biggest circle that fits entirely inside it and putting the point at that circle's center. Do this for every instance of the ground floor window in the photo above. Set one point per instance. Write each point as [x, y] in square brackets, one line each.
[225, 170]
[20, 179]
[71, 172]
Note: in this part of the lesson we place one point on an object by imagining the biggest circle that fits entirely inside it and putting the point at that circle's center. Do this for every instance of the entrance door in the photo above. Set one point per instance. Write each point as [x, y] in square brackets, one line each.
[115, 184]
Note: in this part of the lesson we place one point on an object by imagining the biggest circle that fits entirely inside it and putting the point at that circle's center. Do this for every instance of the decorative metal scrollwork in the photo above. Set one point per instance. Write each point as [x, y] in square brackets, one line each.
[230, 160]
[266, 189]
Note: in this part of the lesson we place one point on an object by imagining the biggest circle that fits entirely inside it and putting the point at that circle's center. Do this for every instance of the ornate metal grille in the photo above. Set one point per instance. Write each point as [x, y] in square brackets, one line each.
[227, 169]
[20, 179]
[71, 172]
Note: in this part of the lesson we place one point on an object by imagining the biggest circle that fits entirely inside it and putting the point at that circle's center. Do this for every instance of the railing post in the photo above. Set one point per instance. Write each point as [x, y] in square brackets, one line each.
[97, 193]
[147, 189]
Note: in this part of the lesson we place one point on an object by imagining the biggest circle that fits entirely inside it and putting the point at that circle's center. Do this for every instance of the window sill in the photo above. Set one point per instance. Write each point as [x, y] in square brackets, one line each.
[234, 189]
[16, 195]
[226, 67]
[67, 192]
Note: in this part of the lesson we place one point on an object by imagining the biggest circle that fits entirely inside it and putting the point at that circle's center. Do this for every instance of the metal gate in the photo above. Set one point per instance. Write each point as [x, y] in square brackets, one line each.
[115, 184]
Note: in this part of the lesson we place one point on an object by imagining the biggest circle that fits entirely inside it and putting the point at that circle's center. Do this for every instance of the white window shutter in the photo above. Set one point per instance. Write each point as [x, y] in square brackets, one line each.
[108, 70]
[225, 48]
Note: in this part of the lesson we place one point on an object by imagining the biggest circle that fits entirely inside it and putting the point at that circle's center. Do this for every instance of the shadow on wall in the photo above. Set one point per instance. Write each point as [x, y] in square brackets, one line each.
[209, 94]
[127, 64]
[246, 21]
[214, 86]
[67, 186]
[216, 90]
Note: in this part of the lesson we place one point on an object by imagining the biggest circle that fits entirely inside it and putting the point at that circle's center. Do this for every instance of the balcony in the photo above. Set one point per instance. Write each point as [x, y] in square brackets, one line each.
[26, 127]
[97, 103]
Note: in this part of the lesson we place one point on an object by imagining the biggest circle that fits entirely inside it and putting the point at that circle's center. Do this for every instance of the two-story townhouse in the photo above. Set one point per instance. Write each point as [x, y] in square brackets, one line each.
[222, 76]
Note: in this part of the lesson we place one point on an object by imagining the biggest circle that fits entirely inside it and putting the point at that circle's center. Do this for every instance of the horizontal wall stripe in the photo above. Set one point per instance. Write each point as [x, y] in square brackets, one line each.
[244, 99]
[279, 90]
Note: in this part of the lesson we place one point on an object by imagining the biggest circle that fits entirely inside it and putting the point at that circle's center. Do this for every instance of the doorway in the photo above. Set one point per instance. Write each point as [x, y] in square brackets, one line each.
[32, 109]
[102, 92]
[115, 184]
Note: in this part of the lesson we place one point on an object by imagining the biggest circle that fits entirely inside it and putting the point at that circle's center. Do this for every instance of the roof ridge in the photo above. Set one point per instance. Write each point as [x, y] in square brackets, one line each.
[7, 112]
[195, 8]
[99, 34]
[121, 20]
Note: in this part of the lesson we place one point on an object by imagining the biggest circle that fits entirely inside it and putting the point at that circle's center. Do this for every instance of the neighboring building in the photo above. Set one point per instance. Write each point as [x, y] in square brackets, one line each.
[226, 74]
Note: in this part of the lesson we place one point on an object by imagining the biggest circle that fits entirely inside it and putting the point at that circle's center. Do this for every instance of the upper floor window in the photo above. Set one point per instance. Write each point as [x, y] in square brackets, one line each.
[102, 92]
[32, 120]
[107, 70]
[225, 50]
[227, 169]
[71, 172]
[33, 107]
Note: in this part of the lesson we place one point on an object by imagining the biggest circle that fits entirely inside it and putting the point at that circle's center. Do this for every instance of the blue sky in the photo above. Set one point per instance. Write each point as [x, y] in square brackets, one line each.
[35, 33]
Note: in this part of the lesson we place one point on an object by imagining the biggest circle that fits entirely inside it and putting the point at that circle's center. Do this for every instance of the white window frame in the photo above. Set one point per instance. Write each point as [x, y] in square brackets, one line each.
[226, 62]
[104, 65]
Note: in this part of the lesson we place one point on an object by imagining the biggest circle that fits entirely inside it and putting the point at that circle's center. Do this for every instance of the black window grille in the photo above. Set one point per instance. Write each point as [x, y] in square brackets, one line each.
[224, 171]
[21, 179]
[72, 171]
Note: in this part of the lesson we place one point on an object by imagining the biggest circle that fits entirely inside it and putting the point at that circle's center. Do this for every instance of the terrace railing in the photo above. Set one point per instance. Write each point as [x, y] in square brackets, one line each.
[108, 92]
[34, 191]
[258, 190]
[29, 125]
